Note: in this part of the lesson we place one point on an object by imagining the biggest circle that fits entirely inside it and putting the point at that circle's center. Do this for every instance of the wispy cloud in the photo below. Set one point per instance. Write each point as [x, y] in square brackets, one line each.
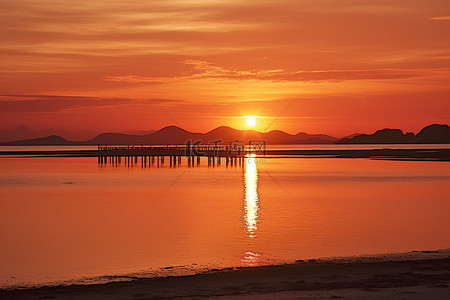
[113, 29]
[440, 18]
[57, 103]
[206, 70]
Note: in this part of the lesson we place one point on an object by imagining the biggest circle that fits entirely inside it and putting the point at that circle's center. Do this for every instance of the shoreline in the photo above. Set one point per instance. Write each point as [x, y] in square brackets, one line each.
[413, 275]
[380, 154]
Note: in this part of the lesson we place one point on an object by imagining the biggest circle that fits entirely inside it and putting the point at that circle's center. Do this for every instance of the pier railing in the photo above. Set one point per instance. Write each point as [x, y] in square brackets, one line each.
[193, 150]
[232, 154]
[172, 147]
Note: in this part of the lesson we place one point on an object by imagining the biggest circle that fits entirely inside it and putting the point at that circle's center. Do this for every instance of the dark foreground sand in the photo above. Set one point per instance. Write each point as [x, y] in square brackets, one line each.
[414, 275]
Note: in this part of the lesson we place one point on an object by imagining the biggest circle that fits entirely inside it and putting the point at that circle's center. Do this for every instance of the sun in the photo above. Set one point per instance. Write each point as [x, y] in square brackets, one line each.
[251, 121]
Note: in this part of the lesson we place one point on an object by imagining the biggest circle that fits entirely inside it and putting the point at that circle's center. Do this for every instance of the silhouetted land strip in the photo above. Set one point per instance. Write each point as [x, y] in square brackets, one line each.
[400, 154]
[432, 134]
[172, 135]
[420, 275]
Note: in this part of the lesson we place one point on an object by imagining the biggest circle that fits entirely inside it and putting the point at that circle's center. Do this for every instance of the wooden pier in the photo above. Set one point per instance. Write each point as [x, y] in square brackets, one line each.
[147, 155]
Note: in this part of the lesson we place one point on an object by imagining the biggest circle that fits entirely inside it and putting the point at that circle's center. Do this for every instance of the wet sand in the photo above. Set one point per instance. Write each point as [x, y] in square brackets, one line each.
[413, 275]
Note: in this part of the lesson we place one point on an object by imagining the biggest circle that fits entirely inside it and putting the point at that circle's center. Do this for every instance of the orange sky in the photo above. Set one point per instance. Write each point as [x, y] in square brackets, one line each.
[318, 66]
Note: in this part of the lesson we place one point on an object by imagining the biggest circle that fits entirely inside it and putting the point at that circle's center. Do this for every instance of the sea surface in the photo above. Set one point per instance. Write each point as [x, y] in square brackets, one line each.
[72, 220]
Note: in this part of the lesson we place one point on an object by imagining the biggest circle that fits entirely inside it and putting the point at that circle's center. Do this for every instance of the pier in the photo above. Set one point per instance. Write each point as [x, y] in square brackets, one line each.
[173, 155]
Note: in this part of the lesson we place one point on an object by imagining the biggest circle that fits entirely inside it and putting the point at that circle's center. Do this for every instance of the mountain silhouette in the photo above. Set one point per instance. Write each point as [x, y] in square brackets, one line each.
[43, 141]
[170, 135]
[434, 134]
[115, 138]
[305, 138]
[19, 133]
[22, 132]
[439, 134]
[174, 135]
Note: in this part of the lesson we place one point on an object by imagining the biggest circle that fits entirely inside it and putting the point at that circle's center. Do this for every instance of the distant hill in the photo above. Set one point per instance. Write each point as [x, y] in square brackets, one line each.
[19, 133]
[44, 141]
[22, 132]
[432, 134]
[175, 135]
[138, 132]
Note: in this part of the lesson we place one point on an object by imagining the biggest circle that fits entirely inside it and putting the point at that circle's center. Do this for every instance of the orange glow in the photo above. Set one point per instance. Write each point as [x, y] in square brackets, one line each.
[307, 66]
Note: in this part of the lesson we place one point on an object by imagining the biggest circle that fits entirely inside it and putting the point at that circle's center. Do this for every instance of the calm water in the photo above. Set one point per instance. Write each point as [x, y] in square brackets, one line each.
[69, 218]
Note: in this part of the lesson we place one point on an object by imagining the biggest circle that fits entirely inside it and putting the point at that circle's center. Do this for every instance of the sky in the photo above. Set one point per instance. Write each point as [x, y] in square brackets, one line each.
[319, 66]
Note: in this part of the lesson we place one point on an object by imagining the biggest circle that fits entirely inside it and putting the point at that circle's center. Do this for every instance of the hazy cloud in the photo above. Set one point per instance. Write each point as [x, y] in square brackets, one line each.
[56, 103]
[441, 18]
[207, 70]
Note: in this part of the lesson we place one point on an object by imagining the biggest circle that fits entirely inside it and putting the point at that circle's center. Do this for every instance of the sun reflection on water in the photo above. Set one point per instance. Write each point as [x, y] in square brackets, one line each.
[251, 201]
[251, 208]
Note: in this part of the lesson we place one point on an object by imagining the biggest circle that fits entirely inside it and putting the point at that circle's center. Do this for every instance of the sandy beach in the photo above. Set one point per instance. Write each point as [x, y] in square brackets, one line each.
[412, 275]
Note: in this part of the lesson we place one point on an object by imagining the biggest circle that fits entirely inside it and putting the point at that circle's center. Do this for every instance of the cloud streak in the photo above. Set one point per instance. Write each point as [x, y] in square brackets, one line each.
[440, 18]
[59, 103]
[209, 71]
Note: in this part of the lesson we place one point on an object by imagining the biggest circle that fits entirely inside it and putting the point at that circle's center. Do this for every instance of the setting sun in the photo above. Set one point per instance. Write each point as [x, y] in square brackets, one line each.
[251, 121]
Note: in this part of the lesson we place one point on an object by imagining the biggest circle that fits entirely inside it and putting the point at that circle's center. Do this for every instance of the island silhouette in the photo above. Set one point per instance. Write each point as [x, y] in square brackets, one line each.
[173, 135]
[432, 134]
